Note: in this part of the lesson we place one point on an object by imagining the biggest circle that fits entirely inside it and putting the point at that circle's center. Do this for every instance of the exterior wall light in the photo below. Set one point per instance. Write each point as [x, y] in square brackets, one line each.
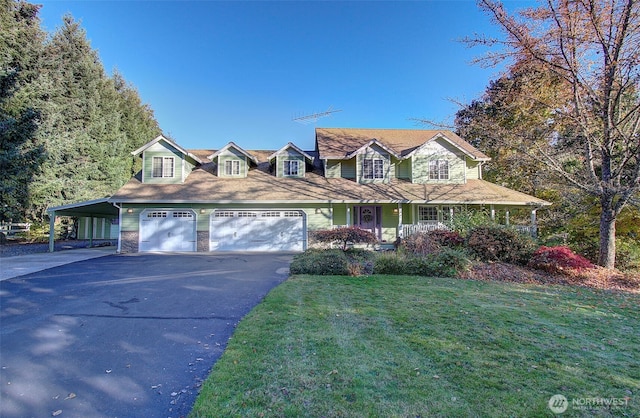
[130, 210]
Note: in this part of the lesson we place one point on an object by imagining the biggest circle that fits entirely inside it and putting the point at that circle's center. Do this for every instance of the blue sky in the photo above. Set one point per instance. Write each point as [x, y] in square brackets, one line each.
[218, 71]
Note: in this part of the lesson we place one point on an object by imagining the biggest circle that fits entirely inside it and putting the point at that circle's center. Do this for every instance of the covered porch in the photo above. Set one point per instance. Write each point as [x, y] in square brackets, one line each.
[429, 217]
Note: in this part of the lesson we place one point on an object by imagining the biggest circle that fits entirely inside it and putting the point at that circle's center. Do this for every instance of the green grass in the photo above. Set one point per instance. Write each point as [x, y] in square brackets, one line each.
[391, 346]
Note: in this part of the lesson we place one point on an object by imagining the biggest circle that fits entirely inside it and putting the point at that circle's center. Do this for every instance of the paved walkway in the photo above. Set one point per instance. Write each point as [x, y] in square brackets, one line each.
[20, 265]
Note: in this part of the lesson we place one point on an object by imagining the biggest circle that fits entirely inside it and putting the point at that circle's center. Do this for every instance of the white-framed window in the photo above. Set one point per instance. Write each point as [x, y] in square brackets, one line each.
[232, 167]
[182, 214]
[372, 168]
[439, 170]
[291, 167]
[427, 214]
[448, 212]
[162, 167]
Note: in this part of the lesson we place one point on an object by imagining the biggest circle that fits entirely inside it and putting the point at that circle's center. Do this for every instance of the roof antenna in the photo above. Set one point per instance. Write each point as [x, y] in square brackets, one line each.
[313, 117]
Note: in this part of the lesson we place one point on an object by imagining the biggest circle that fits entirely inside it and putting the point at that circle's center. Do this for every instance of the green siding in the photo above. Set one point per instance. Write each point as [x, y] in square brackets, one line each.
[290, 155]
[333, 169]
[147, 166]
[340, 214]
[374, 152]
[232, 155]
[473, 170]
[318, 216]
[348, 169]
[102, 228]
[438, 151]
[403, 169]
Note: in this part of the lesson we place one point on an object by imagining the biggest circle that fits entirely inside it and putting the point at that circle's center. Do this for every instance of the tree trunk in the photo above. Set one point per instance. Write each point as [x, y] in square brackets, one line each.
[607, 256]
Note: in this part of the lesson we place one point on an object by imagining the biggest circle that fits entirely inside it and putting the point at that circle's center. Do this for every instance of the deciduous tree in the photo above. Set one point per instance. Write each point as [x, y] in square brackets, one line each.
[592, 48]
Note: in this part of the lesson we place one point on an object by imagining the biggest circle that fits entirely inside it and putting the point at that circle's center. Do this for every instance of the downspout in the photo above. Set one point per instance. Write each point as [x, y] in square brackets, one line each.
[119, 226]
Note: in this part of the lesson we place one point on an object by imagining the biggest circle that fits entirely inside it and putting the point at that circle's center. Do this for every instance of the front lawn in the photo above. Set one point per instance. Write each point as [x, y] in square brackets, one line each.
[406, 346]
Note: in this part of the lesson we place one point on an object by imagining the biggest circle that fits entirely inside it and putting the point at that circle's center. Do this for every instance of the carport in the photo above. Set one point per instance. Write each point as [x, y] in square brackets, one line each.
[99, 208]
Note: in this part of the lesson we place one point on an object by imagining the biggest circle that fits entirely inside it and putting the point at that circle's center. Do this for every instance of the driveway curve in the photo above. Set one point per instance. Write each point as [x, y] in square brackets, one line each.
[124, 335]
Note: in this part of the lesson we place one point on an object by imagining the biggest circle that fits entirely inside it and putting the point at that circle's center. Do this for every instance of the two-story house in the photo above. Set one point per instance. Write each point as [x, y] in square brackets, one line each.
[391, 182]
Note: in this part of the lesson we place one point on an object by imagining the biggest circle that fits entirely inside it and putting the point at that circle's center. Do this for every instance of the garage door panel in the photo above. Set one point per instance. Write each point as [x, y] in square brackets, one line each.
[167, 230]
[257, 231]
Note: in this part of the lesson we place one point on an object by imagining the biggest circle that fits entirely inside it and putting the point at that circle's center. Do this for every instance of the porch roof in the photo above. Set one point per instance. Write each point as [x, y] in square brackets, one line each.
[99, 208]
[203, 186]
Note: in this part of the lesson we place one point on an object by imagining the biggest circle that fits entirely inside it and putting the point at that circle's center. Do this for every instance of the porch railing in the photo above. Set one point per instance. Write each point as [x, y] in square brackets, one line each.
[410, 229]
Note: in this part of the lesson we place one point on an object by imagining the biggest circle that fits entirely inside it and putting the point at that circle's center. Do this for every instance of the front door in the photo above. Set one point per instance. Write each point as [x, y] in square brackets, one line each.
[369, 218]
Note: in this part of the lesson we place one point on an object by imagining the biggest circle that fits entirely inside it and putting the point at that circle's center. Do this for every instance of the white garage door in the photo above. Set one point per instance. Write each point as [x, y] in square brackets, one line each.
[257, 230]
[167, 230]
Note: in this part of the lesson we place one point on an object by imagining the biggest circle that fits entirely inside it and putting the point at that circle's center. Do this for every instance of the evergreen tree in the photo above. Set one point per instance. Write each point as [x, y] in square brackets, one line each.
[21, 149]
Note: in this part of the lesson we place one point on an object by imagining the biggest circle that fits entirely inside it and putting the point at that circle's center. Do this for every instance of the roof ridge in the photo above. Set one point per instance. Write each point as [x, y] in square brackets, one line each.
[389, 129]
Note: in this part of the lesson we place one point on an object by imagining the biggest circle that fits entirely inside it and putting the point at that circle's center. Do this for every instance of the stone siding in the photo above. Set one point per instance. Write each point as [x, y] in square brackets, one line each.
[203, 242]
[129, 243]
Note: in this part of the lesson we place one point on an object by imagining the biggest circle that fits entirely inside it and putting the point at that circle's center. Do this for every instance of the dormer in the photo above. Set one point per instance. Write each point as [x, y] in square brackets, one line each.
[165, 162]
[418, 156]
[290, 161]
[373, 162]
[232, 161]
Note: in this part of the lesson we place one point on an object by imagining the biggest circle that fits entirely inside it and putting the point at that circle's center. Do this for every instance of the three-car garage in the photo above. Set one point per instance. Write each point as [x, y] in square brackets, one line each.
[229, 230]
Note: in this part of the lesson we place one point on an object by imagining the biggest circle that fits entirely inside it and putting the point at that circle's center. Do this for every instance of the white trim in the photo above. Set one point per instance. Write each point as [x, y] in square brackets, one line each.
[238, 148]
[291, 145]
[169, 142]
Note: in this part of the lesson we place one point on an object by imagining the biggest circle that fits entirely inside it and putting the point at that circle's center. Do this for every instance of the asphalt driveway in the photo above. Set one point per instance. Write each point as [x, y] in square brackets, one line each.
[123, 335]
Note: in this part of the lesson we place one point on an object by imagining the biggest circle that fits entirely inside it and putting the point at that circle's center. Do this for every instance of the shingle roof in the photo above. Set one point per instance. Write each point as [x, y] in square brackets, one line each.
[340, 142]
[202, 186]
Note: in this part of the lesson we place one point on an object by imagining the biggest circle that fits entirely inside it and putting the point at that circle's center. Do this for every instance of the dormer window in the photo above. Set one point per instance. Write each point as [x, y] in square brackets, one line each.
[372, 169]
[232, 167]
[291, 168]
[163, 167]
[439, 170]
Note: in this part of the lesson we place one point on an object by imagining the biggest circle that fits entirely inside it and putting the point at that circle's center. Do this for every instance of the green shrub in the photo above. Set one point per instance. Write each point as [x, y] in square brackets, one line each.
[320, 262]
[458, 260]
[447, 263]
[498, 243]
[389, 263]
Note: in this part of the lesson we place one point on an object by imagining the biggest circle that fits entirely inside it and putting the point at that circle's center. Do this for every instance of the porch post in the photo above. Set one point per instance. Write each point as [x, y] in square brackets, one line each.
[331, 213]
[506, 217]
[493, 213]
[348, 216]
[90, 231]
[400, 220]
[534, 223]
[52, 230]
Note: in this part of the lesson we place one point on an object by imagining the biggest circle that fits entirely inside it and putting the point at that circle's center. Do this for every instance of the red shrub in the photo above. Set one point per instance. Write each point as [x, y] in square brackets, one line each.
[558, 259]
[446, 238]
[345, 236]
